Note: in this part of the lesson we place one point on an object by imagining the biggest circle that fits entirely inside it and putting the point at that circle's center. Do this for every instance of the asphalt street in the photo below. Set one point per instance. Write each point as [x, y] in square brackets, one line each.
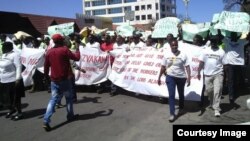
[124, 117]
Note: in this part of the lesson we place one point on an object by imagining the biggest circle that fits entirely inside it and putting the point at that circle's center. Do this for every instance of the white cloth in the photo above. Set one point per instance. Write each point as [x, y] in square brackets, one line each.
[234, 52]
[10, 67]
[122, 46]
[175, 65]
[139, 45]
[212, 60]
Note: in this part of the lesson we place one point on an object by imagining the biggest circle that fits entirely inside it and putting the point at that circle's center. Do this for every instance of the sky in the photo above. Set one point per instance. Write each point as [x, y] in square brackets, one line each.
[199, 10]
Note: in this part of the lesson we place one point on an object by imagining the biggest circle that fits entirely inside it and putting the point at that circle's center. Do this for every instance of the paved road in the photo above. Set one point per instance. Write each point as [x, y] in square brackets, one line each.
[123, 117]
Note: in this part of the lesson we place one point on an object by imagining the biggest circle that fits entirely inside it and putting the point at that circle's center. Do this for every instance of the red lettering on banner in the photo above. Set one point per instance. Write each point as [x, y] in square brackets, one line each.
[84, 75]
[132, 78]
[150, 72]
[149, 56]
[118, 62]
[136, 63]
[129, 69]
[119, 70]
[126, 77]
[195, 68]
[148, 63]
[132, 55]
[33, 61]
[158, 65]
[160, 56]
[135, 70]
[139, 55]
[118, 56]
[94, 59]
[127, 62]
[141, 79]
[195, 60]
[125, 56]
[23, 60]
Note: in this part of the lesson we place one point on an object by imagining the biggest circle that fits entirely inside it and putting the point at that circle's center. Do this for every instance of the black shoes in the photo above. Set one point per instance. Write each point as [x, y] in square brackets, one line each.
[73, 118]
[17, 116]
[46, 127]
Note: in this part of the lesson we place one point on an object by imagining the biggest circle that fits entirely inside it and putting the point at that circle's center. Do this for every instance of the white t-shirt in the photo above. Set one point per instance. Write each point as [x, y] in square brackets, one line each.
[10, 67]
[139, 45]
[175, 65]
[234, 52]
[212, 60]
[122, 46]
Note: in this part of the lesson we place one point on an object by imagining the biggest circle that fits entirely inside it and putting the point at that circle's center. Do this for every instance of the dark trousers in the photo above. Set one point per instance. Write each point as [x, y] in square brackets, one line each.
[235, 79]
[172, 82]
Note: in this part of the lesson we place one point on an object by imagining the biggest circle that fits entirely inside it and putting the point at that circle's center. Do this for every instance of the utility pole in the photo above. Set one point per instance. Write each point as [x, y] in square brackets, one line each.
[186, 5]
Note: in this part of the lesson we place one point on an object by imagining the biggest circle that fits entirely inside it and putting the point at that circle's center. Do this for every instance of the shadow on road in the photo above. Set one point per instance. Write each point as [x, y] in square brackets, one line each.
[86, 117]
[34, 113]
[89, 99]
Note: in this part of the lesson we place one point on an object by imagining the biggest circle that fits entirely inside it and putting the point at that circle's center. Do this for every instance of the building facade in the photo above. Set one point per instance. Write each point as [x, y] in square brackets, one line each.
[137, 11]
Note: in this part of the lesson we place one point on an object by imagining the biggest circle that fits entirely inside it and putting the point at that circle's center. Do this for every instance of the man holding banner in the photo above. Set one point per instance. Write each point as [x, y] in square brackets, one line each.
[58, 60]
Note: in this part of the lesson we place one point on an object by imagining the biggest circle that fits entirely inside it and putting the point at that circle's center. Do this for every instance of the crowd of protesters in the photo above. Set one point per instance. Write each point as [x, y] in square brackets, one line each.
[62, 52]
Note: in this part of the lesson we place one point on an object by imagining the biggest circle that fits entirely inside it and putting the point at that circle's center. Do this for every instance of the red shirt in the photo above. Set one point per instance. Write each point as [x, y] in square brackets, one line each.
[109, 47]
[58, 59]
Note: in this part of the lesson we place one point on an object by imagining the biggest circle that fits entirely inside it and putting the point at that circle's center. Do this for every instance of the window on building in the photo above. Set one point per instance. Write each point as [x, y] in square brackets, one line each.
[117, 19]
[163, 15]
[98, 3]
[128, 8]
[173, 10]
[127, 1]
[162, 0]
[156, 6]
[87, 4]
[168, 8]
[137, 18]
[88, 13]
[89, 21]
[99, 12]
[163, 7]
[115, 10]
[143, 7]
[149, 7]
[137, 8]
[149, 17]
[114, 1]
[157, 16]
[143, 17]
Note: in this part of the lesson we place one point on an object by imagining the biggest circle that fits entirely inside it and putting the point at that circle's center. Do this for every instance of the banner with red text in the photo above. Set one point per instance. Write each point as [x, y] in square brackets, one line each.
[96, 63]
[138, 71]
[31, 58]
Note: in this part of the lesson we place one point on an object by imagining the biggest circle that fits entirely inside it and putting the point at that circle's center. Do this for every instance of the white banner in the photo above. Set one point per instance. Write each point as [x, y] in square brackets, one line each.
[31, 58]
[96, 64]
[138, 71]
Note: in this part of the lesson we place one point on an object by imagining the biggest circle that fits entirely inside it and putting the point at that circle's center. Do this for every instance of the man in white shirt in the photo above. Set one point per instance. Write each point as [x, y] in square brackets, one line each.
[211, 62]
[234, 61]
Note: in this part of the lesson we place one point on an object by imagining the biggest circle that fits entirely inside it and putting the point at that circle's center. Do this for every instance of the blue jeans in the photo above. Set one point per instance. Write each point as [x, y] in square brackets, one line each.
[73, 91]
[58, 89]
[172, 82]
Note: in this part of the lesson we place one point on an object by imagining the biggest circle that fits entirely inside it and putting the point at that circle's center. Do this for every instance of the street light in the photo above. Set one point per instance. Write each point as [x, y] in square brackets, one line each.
[186, 5]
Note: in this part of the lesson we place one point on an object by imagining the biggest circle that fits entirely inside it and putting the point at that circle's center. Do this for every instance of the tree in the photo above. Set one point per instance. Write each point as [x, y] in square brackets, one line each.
[237, 5]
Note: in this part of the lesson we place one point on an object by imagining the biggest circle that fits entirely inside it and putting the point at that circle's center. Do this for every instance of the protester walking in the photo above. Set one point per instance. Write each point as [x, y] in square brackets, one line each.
[57, 59]
[175, 66]
[211, 61]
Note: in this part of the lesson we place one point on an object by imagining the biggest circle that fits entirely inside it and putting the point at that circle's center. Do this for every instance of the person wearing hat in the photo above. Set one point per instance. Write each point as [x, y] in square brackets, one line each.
[211, 62]
[57, 60]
